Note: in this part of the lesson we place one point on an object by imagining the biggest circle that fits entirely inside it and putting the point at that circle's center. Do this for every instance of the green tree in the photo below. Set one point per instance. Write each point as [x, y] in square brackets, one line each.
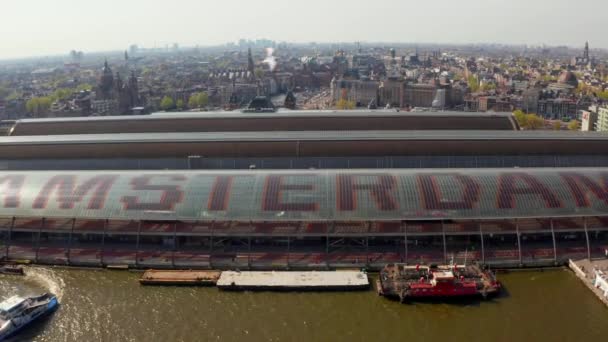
[473, 83]
[180, 104]
[38, 106]
[574, 125]
[258, 72]
[520, 117]
[345, 104]
[198, 100]
[4, 92]
[167, 103]
[193, 101]
[534, 121]
[84, 86]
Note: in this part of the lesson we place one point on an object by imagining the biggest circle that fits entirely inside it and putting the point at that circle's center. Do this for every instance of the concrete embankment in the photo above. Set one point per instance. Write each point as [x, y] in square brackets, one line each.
[593, 273]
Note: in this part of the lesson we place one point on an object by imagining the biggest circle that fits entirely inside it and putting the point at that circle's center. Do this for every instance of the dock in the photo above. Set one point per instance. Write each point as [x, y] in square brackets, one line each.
[180, 278]
[293, 281]
[594, 274]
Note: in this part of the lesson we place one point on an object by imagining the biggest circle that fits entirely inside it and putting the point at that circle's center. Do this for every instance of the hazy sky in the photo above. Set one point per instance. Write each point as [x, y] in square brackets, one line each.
[42, 27]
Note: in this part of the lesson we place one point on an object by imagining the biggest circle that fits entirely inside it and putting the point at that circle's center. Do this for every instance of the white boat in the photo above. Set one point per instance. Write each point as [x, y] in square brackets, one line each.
[18, 312]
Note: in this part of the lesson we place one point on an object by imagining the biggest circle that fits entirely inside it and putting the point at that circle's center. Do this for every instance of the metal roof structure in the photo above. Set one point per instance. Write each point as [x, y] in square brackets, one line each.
[311, 196]
[282, 120]
[274, 136]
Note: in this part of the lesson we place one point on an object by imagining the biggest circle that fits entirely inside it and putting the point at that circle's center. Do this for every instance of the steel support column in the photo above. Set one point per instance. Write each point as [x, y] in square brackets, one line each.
[103, 241]
[9, 237]
[137, 244]
[405, 241]
[38, 239]
[69, 256]
[587, 238]
[174, 245]
[445, 247]
[554, 242]
[288, 250]
[483, 251]
[249, 252]
[518, 242]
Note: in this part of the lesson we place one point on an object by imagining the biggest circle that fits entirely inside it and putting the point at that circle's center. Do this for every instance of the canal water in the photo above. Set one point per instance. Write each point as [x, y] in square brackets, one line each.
[112, 306]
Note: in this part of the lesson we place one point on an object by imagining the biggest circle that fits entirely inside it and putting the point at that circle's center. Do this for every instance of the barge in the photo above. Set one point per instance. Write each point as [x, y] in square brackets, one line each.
[407, 283]
[293, 281]
[180, 278]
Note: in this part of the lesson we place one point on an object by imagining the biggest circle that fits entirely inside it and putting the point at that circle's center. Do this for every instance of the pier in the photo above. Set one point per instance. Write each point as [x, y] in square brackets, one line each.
[594, 274]
[293, 281]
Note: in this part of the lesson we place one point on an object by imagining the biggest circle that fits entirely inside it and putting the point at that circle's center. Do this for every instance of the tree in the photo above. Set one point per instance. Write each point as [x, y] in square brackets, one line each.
[473, 83]
[557, 125]
[198, 100]
[534, 121]
[193, 102]
[520, 117]
[37, 106]
[574, 125]
[345, 104]
[167, 103]
[180, 104]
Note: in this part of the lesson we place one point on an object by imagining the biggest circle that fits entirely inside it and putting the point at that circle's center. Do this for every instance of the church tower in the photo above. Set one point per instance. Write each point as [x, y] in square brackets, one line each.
[586, 53]
[250, 65]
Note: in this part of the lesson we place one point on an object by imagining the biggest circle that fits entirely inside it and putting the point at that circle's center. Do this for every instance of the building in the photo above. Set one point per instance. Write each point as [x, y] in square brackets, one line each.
[418, 95]
[361, 92]
[314, 219]
[113, 96]
[602, 119]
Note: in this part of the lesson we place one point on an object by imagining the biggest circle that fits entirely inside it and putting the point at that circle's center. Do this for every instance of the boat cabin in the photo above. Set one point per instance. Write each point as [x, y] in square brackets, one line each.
[442, 277]
[10, 306]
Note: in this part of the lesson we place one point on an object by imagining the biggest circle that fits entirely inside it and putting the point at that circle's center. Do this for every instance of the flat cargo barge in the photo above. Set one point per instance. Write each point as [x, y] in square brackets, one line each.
[293, 281]
[184, 278]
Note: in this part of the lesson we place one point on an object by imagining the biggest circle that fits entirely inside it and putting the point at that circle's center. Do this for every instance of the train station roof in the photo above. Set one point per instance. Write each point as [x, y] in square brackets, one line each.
[311, 196]
[279, 121]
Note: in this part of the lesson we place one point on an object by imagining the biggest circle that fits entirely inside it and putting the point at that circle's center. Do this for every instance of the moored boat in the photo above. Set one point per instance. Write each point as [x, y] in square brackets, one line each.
[435, 282]
[12, 269]
[18, 312]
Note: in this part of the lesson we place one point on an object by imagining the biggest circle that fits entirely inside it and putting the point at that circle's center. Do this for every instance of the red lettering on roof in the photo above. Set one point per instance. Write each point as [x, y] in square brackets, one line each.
[171, 195]
[580, 185]
[10, 189]
[508, 190]
[380, 191]
[68, 193]
[272, 199]
[432, 197]
[220, 193]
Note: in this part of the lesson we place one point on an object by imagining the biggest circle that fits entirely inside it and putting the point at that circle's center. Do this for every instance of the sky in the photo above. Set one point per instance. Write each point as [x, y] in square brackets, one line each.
[51, 27]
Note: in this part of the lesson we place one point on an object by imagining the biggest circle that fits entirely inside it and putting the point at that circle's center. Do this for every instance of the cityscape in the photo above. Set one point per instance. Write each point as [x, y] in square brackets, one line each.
[304, 171]
[565, 87]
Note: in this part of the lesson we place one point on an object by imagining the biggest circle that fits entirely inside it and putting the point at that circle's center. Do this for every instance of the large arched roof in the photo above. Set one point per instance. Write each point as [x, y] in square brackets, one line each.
[313, 195]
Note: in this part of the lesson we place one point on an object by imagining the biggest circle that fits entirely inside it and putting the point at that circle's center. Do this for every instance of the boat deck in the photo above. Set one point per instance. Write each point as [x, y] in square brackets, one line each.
[159, 277]
[286, 281]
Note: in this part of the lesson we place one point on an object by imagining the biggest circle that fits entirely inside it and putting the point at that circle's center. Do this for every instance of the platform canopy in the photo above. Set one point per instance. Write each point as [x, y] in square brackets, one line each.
[312, 195]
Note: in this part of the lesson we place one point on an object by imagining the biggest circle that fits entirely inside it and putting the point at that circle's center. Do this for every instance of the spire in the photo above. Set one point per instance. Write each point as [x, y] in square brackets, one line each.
[250, 65]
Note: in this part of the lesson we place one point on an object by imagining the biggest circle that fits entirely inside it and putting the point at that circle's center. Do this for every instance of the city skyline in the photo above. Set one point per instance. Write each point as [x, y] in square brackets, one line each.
[68, 25]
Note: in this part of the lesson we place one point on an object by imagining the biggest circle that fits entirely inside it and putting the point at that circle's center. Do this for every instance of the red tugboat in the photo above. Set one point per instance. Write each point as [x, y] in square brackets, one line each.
[428, 282]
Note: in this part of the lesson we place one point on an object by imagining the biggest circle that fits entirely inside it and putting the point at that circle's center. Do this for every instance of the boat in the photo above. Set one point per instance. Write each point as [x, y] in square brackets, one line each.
[408, 283]
[18, 312]
[12, 269]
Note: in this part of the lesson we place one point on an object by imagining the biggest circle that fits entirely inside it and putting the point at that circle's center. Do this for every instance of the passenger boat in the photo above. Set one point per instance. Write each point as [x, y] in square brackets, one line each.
[18, 312]
[436, 282]
[12, 269]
